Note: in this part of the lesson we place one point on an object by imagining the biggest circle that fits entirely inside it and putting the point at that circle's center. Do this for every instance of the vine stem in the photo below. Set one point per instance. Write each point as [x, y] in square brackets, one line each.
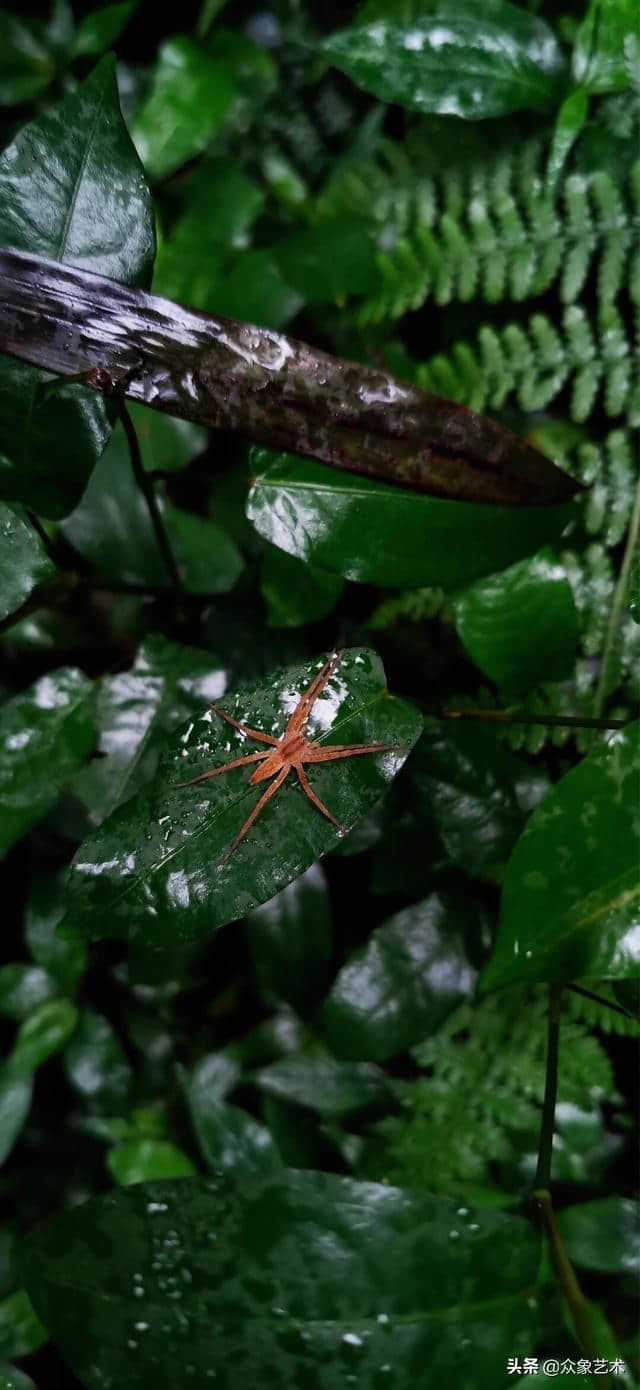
[543, 1170]
[148, 491]
[620, 592]
[551, 721]
[600, 999]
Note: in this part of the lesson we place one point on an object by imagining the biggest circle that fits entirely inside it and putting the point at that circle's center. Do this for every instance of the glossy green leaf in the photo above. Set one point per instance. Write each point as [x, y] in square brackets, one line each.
[46, 733]
[136, 710]
[254, 289]
[42, 1034]
[603, 1235]
[15, 1103]
[96, 1065]
[71, 187]
[12, 1378]
[112, 528]
[399, 987]
[290, 940]
[21, 1332]
[311, 1278]
[221, 206]
[571, 898]
[455, 60]
[155, 868]
[520, 625]
[27, 64]
[147, 1160]
[230, 1139]
[189, 98]
[330, 260]
[296, 593]
[23, 988]
[375, 533]
[166, 445]
[99, 29]
[61, 957]
[607, 46]
[24, 562]
[319, 1081]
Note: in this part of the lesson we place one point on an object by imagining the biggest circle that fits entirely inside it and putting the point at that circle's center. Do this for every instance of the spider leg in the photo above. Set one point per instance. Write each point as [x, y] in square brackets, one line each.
[253, 733]
[226, 767]
[315, 799]
[266, 796]
[315, 753]
[308, 698]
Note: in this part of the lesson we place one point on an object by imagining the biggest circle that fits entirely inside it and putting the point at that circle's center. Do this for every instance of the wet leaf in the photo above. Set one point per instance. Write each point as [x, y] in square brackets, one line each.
[100, 28]
[296, 593]
[330, 1278]
[155, 868]
[42, 1034]
[290, 940]
[23, 988]
[61, 957]
[11, 1378]
[520, 625]
[27, 64]
[375, 533]
[603, 1235]
[607, 46]
[319, 1081]
[571, 897]
[455, 60]
[230, 1140]
[71, 188]
[96, 1065]
[21, 1332]
[399, 987]
[15, 1102]
[166, 445]
[331, 260]
[24, 563]
[221, 205]
[189, 98]
[147, 1160]
[45, 735]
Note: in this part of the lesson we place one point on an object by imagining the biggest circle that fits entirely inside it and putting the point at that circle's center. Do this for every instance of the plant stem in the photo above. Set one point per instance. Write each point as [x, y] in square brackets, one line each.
[551, 721]
[620, 593]
[543, 1170]
[566, 1275]
[600, 999]
[147, 489]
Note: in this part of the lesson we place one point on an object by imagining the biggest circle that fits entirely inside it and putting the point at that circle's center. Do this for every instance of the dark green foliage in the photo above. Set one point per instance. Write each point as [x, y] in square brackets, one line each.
[266, 1121]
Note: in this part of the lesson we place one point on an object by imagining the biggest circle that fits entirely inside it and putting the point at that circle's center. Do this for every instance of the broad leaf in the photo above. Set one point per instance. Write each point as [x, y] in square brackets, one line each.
[375, 533]
[12, 1378]
[331, 260]
[320, 1082]
[41, 1035]
[571, 898]
[520, 625]
[71, 187]
[21, 1332]
[189, 98]
[46, 733]
[221, 205]
[156, 871]
[607, 46]
[309, 1279]
[27, 64]
[96, 1065]
[61, 957]
[410, 974]
[456, 59]
[290, 940]
[23, 988]
[166, 444]
[603, 1235]
[24, 562]
[230, 1140]
[296, 593]
[15, 1103]
[147, 1160]
[99, 29]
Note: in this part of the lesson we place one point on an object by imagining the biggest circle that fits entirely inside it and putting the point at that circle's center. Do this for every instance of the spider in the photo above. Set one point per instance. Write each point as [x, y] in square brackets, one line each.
[290, 751]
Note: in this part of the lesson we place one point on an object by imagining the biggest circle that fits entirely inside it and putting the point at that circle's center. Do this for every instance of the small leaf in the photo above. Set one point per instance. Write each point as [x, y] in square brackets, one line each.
[296, 593]
[331, 260]
[21, 1332]
[521, 625]
[96, 1065]
[606, 45]
[362, 1275]
[24, 562]
[375, 533]
[603, 1235]
[189, 98]
[11, 1378]
[61, 957]
[27, 64]
[166, 444]
[230, 1140]
[319, 1081]
[45, 735]
[42, 1034]
[23, 988]
[455, 60]
[399, 987]
[147, 1160]
[220, 207]
[72, 189]
[571, 894]
[290, 940]
[99, 29]
[15, 1102]
[156, 869]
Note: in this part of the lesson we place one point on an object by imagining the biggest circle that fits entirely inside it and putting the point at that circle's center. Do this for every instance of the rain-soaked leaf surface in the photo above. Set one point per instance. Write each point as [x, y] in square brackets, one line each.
[603, 1235]
[571, 896]
[24, 562]
[300, 1280]
[46, 734]
[190, 96]
[155, 870]
[289, 939]
[375, 533]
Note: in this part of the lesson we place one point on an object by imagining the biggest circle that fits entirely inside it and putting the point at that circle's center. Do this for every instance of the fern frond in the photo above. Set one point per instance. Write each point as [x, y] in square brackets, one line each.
[597, 1015]
[412, 605]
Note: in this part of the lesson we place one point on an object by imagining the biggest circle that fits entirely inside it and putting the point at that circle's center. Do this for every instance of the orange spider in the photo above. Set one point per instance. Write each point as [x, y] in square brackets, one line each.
[291, 750]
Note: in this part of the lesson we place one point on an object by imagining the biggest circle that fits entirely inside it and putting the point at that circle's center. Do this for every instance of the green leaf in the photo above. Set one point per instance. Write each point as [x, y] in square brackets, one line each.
[330, 1278]
[375, 533]
[99, 29]
[15, 1103]
[42, 1034]
[155, 869]
[520, 626]
[147, 1160]
[27, 64]
[455, 60]
[21, 1332]
[189, 98]
[603, 1235]
[399, 987]
[61, 957]
[11, 1378]
[166, 445]
[571, 898]
[135, 711]
[112, 528]
[320, 1082]
[230, 1140]
[333, 259]
[607, 46]
[221, 206]
[255, 290]
[24, 562]
[96, 1065]
[23, 988]
[290, 940]
[296, 593]
[45, 735]
[8, 1275]
[71, 187]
